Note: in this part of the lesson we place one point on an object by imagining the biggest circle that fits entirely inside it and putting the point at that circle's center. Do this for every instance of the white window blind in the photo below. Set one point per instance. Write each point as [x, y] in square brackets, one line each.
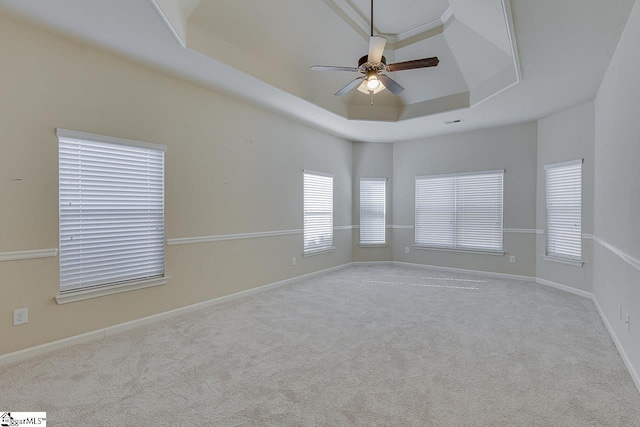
[111, 195]
[318, 212]
[460, 211]
[372, 211]
[564, 209]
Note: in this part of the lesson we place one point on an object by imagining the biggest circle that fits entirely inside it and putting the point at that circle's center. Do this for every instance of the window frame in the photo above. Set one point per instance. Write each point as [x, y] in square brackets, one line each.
[310, 250]
[551, 254]
[454, 214]
[94, 287]
[382, 242]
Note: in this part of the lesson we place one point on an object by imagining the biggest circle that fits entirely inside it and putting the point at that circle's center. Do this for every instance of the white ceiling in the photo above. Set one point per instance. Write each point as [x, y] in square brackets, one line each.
[261, 52]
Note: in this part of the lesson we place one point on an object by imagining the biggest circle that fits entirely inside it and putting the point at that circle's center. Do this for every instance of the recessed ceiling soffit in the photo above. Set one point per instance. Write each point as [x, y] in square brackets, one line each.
[474, 40]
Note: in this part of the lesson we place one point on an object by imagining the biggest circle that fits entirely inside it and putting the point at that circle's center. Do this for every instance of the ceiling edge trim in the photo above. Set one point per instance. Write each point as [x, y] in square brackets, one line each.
[168, 22]
[361, 23]
[508, 18]
[417, 30]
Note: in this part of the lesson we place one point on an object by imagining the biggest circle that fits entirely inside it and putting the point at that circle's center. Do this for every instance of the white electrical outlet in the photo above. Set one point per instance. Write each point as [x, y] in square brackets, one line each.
[620, 311]
[293, 260]
[512, 259]
[406, 250]
[20, 316]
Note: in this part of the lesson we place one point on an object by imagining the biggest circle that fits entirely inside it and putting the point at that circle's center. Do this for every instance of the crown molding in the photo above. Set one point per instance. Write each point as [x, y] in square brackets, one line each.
[364, 25]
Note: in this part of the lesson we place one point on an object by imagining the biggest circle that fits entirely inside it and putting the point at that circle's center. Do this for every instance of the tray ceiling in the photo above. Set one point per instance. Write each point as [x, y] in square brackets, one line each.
[477, 58]
[261, 52]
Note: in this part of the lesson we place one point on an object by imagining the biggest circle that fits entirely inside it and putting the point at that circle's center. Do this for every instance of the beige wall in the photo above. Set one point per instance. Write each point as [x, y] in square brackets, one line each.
[568, 135]
[617, 192]
[230, 168]
[512, 148]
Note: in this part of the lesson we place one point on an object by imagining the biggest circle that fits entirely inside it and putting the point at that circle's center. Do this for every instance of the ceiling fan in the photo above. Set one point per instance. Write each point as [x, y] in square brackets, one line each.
[372, 65]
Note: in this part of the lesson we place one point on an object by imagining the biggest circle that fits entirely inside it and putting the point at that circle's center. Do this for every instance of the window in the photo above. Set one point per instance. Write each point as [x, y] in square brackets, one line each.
[372, 211]
[318, 212]
[462, 211]
[111, 195]
[564, 210]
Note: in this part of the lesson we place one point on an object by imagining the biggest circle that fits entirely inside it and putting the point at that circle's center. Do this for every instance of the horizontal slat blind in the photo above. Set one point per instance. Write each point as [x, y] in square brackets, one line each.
[564, 210]
[460, 211]
[372, 211]
[111, 213]
[318, 212]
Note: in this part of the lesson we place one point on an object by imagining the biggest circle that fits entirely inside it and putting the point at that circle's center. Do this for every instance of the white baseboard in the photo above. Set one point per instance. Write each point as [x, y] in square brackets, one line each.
[564, 288]
[30, 352]
[623, 354]
[465, 271]
[369, 263]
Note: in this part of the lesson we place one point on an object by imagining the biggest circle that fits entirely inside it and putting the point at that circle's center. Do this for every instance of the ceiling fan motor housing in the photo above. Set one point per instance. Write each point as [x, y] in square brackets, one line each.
[365, 65]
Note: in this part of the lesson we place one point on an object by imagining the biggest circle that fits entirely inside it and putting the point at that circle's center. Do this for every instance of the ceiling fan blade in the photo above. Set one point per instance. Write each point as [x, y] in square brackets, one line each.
[350, 86]
[416, 63]
[330, 68]
[376, 48]
[390, 84]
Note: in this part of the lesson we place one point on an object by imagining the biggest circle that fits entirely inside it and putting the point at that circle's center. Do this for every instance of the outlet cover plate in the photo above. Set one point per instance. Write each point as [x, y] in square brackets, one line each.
[20, 316]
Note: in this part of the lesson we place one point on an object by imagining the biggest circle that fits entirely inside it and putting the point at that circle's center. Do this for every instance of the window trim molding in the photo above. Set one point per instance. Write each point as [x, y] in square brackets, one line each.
[447, 175]
[319, 251]
[72, 134]
[104, 290]
[312, 172]
[461, 251]
[560, 260]
[563, 164]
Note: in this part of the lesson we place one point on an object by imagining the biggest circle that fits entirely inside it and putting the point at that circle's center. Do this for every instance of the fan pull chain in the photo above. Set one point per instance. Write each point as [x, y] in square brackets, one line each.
[371, 93]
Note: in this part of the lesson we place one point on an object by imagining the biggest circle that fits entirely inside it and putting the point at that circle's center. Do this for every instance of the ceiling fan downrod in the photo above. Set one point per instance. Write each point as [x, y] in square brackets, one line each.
[371, 18]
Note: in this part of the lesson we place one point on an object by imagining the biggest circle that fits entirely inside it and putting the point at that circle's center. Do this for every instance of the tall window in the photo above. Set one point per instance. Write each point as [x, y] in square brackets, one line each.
[372, 211]
[564, 210]
[462, 211]
[318, 212]
[111, 195]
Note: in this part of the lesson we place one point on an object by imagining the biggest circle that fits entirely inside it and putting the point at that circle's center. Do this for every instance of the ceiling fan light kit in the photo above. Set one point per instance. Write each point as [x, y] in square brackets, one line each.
[372, 65]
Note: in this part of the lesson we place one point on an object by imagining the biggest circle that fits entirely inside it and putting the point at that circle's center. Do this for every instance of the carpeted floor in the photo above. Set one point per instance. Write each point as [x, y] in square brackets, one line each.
[367, 346]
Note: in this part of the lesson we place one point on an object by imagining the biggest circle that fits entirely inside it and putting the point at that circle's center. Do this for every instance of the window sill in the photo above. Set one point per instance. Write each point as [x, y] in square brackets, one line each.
[373, 245]
[319, 251]
[84, 294]
[461, 251]
[567, 261]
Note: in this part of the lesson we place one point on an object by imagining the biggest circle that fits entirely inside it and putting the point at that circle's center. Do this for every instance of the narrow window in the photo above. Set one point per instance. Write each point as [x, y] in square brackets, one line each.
[372, 211]
[564, 210]
[318, 212]
[111, 202]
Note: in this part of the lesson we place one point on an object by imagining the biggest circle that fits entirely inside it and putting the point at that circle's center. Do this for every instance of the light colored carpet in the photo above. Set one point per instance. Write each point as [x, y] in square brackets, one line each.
[366, 346]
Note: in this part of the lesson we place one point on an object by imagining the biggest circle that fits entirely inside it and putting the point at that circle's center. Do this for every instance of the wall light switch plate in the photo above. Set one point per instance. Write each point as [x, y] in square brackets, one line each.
[293, 260]
[406, 250]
